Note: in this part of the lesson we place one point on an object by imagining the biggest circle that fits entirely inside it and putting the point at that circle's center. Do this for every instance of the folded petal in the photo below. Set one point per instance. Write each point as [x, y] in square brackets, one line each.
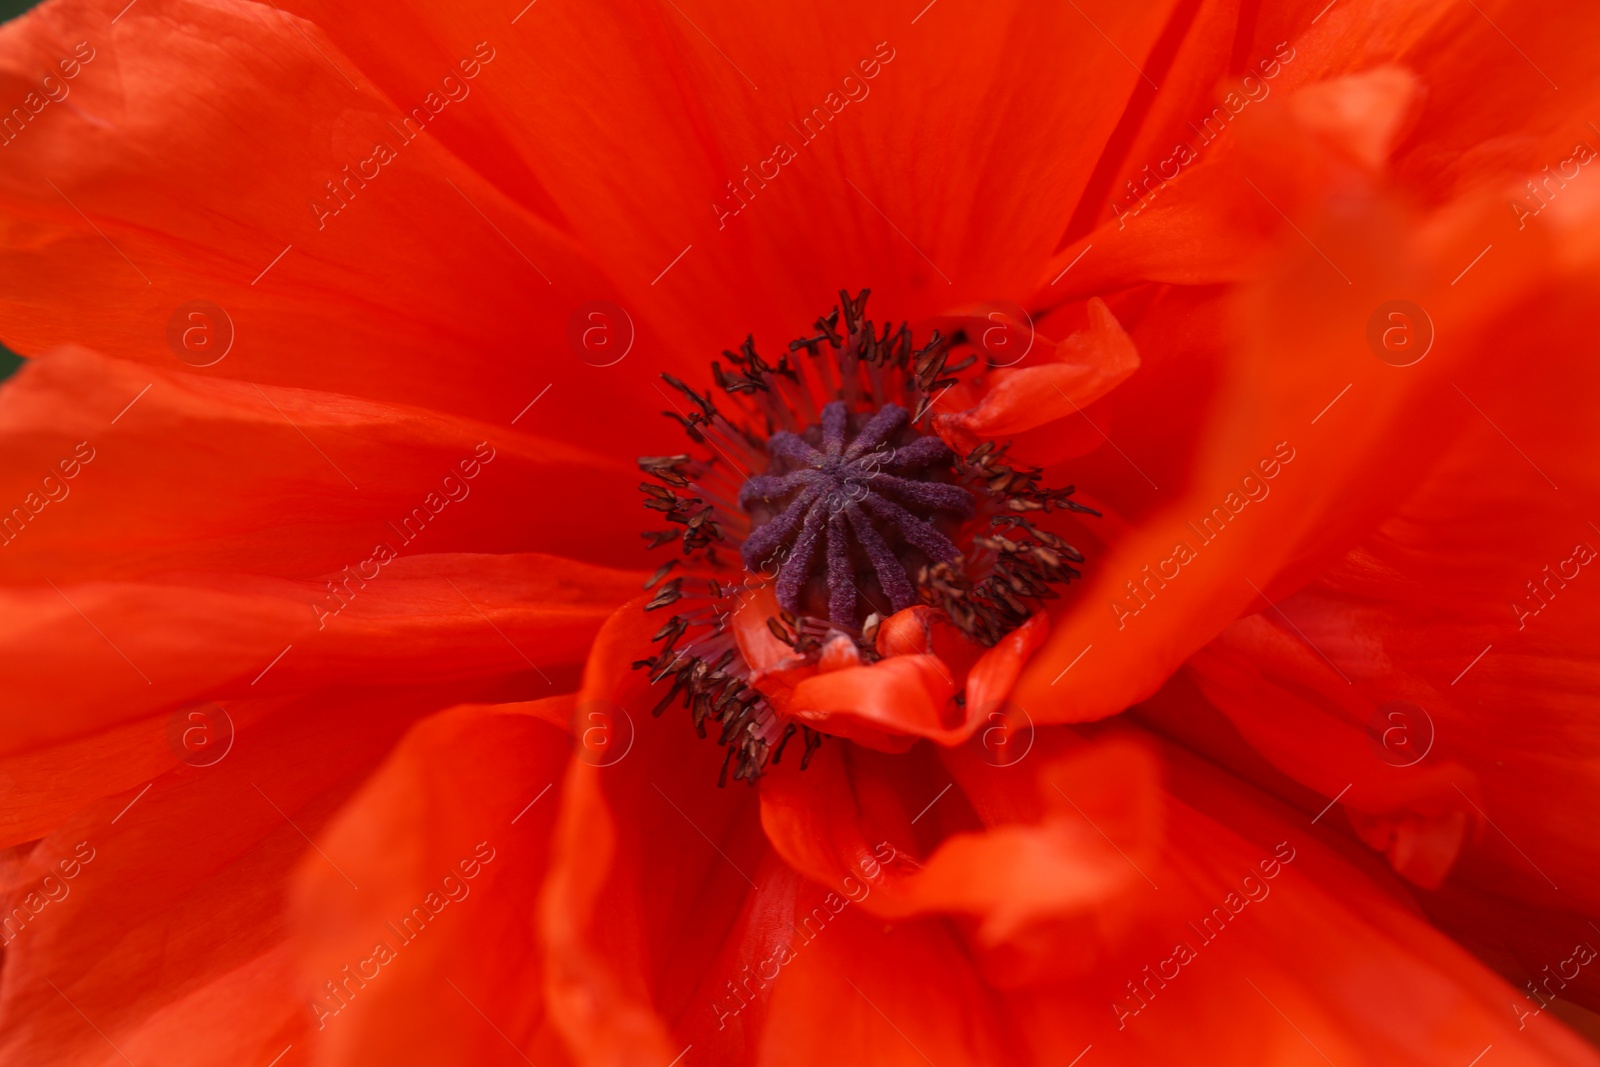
[468, 622]
[1271, 499]
[357, 256]
[1058, 385]
[182, 473]
[448, 842]
[1466, 618]
[1227, 862]
[181, 883]
[649, 865]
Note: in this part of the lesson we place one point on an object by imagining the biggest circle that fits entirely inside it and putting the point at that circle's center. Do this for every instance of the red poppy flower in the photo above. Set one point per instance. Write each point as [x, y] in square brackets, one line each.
[1157, 628]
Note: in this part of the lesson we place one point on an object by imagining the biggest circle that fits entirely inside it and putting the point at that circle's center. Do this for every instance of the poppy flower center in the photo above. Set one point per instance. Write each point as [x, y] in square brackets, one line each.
[848, 513]
[816, 482]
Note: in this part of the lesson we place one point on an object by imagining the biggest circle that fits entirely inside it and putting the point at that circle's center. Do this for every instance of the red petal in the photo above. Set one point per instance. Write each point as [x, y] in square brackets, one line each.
[448, 844]
[1056, 385]
[885, 705]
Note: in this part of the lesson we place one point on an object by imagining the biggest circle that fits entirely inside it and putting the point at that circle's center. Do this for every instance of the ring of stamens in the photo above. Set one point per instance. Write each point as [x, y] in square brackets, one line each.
[834, 493]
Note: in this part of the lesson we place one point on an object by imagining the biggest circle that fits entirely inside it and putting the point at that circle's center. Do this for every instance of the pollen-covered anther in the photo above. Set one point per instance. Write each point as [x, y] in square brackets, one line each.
[1015, 562]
